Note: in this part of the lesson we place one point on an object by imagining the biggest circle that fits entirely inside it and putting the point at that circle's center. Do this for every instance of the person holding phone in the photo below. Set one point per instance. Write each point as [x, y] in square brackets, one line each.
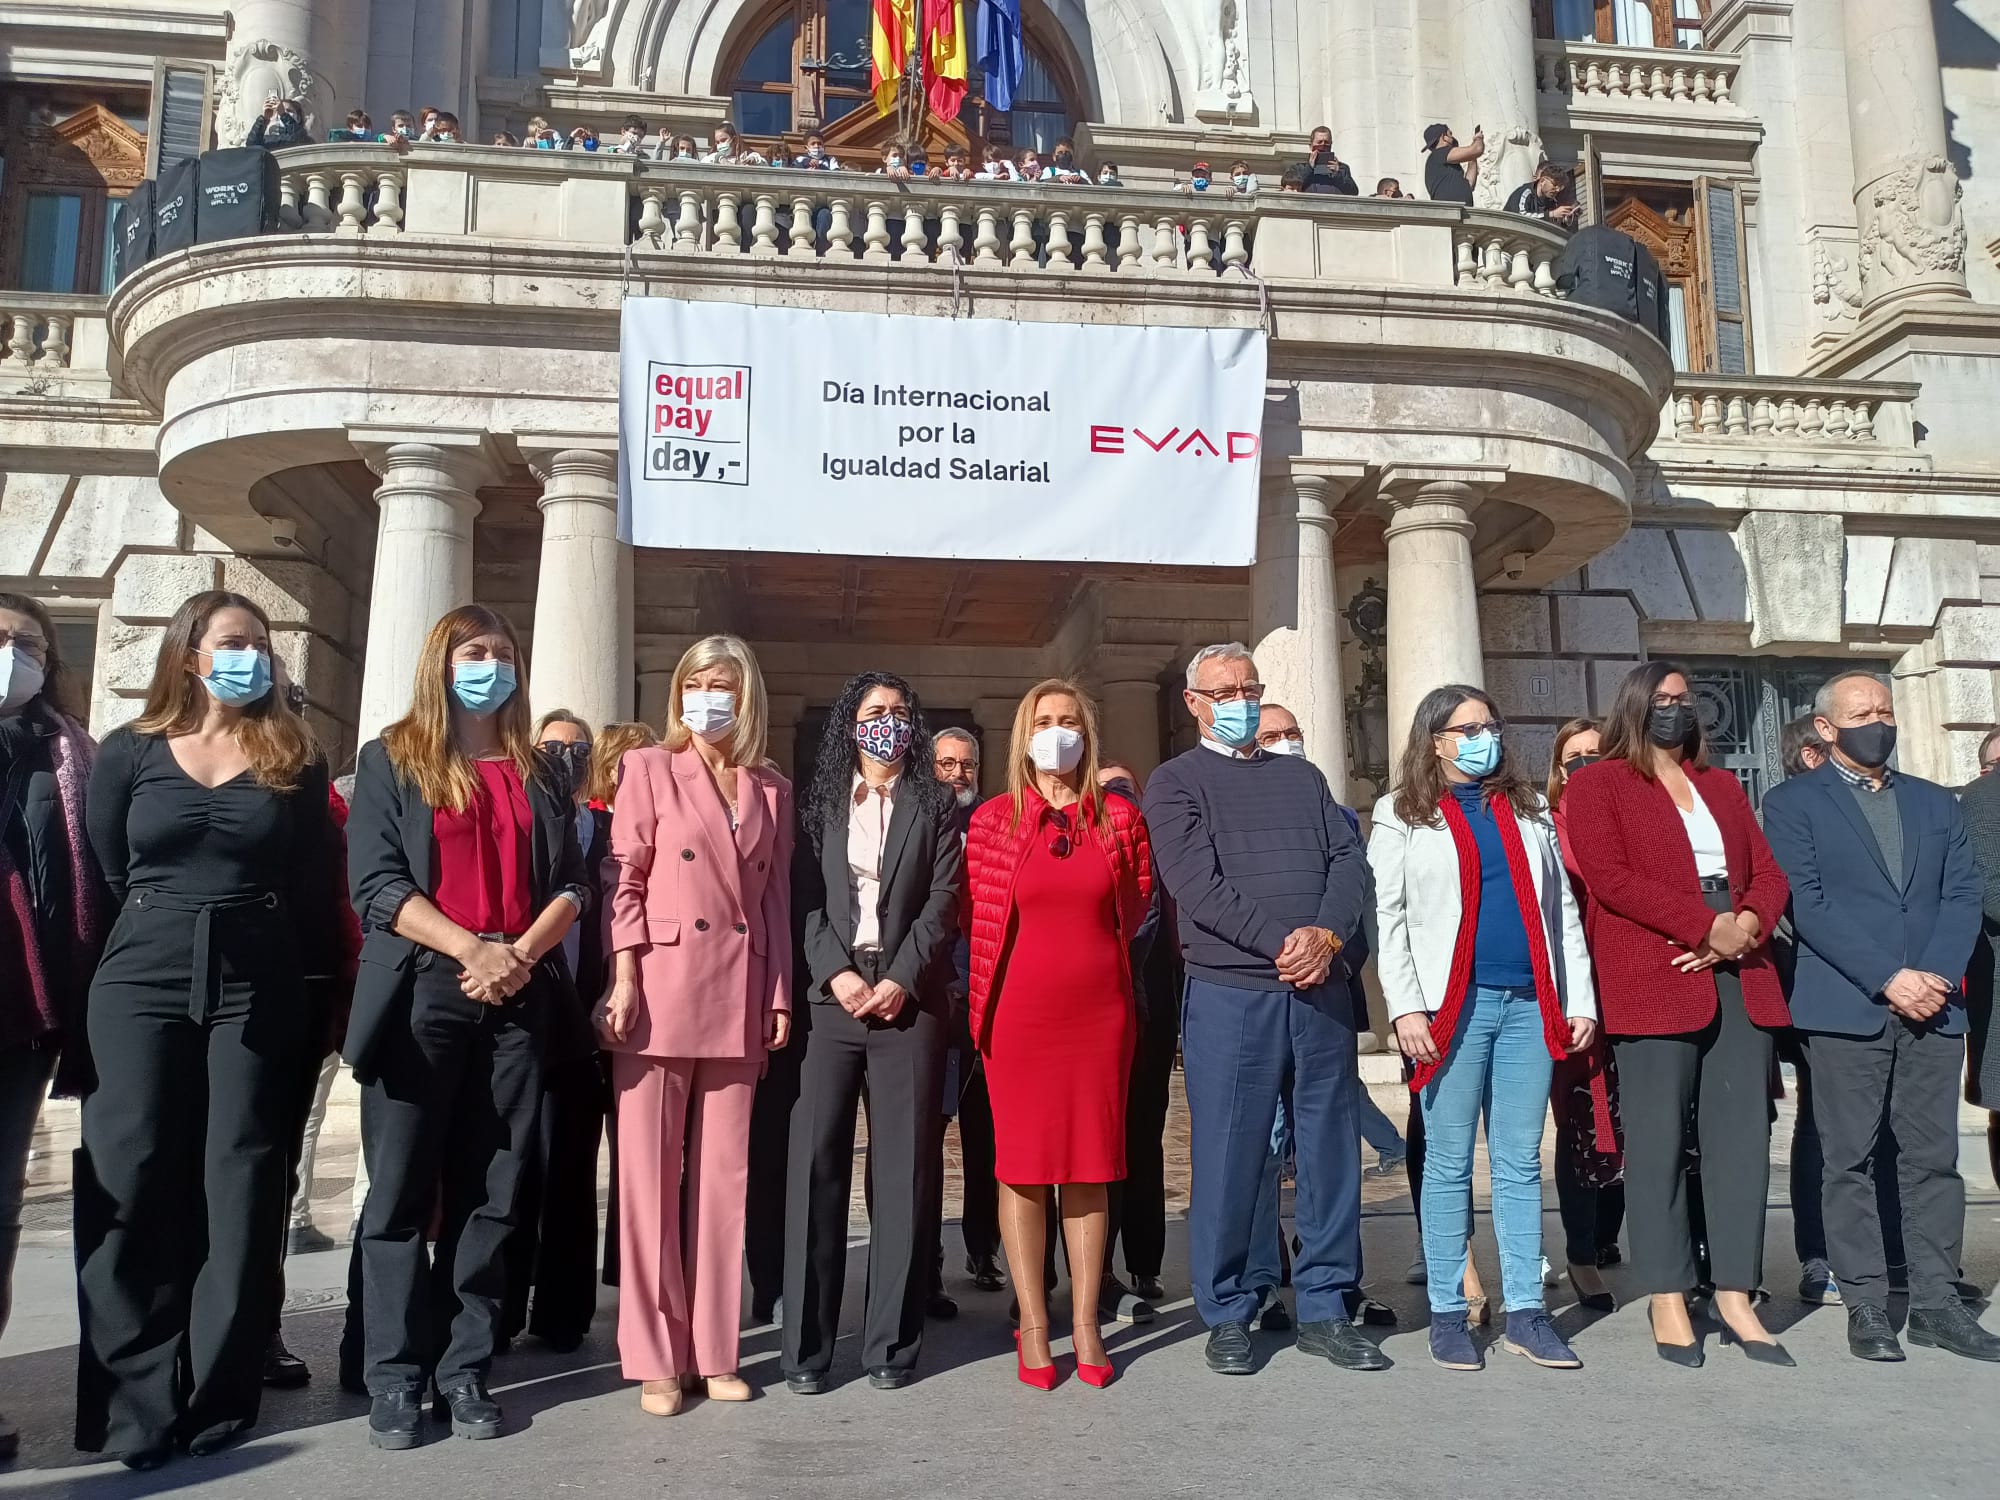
[1325, 172]
[1451, 171]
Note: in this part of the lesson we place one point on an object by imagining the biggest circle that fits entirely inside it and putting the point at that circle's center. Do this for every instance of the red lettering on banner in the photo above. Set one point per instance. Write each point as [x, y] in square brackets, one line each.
[1107, 439]
[1250, 452]
[1214, 452]
[1172, 432]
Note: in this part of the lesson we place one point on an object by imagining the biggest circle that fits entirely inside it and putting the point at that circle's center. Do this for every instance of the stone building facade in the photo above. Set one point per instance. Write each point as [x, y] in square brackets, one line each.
[405, 398]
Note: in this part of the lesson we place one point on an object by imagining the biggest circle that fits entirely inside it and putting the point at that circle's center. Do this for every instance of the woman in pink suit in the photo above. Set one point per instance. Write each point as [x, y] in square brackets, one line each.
[701, 929]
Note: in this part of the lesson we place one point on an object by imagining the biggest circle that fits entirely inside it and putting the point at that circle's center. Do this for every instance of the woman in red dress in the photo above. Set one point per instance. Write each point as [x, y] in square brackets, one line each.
[1060, 876]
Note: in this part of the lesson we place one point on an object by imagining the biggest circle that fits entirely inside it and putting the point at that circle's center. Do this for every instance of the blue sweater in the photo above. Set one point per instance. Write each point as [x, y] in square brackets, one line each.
[1251, 850]
[1500, 948]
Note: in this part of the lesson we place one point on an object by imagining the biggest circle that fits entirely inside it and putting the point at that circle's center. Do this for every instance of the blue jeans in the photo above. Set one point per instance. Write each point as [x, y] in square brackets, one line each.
[1499, 1064]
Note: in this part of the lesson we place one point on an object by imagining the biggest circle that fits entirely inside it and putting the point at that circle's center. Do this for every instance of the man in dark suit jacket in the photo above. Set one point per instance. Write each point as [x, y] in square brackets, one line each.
[1886, 906]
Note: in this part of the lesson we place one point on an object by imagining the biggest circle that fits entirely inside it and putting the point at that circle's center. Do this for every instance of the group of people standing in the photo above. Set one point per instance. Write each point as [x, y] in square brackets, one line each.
[538, 931]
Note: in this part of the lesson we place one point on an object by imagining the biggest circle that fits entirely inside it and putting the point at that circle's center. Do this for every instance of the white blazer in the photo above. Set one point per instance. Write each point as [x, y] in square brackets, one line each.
[1417, 909]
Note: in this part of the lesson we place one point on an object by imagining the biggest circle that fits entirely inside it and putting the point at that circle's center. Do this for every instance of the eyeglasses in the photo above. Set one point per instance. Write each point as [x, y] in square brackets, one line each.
[1252, 690]
[1669, 700]
[951, 767]
[1477, 726]
[1297, 736]
[34, 645]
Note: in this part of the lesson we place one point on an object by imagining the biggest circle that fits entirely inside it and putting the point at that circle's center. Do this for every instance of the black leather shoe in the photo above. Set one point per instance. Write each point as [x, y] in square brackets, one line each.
[1953, 1328]
[985, 1273]
[474, 1413]
[806, 1383]
[1869, 1335]
[143, 1460]
[1273, 1316]
[284, 1370]
[941, 1307]
[889, 1378]
[1150, 1288]
[1228, 1351]
[394, 1419]
[1338, 1341]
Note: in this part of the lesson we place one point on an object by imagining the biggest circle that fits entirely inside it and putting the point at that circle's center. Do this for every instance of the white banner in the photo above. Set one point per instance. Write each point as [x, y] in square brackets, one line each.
[771, 429]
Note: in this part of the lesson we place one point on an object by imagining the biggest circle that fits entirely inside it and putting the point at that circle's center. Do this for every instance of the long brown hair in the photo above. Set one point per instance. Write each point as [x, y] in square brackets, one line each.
[57, 689]
[1420, 778]
[420, 744]
[1564, 735]
[613, 740]
[273, 738]
[1021, 765]
[1625, 735]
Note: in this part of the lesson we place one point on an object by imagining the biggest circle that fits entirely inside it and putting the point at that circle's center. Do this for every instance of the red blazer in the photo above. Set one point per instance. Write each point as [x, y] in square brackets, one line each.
[993, 855]
[1646, 904]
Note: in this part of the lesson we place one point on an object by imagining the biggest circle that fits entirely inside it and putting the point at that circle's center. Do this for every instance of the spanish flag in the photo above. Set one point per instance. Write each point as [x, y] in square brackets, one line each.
[892, 39]
[944, 56]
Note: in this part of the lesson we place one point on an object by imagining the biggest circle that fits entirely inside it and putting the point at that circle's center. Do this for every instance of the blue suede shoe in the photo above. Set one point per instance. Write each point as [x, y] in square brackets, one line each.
[1532, 1334]
[1451, 1343]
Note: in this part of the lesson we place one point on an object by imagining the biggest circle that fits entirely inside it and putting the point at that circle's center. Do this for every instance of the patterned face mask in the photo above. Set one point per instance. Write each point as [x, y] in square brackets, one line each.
[886, 739]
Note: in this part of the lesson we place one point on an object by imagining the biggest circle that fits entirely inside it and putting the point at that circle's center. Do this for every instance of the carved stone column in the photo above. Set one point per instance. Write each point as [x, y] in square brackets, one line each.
[1129, 707]
[995, 718]
[1493, 55]
[314, 51]
[1295, 612]
[783, 739]
[427, 502]
[1906, 194]
[583, 591]
[1433, 625]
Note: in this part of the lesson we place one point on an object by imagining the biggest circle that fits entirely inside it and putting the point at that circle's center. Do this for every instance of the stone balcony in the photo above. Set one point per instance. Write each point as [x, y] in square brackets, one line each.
[1648, 110]
[1849, 422]
[1595, 75]
[53, 343]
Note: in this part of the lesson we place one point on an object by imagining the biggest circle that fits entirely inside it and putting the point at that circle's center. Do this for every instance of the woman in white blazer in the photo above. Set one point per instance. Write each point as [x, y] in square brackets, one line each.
[1487, 979]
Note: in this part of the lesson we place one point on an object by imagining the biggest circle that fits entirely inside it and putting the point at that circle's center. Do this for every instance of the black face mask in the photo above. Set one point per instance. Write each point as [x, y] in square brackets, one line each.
[1868, 745]
[1670, 726]
[573, 758]
[1579, 763]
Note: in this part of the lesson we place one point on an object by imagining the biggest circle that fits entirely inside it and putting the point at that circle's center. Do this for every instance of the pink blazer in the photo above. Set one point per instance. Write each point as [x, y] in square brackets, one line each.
[708, 911]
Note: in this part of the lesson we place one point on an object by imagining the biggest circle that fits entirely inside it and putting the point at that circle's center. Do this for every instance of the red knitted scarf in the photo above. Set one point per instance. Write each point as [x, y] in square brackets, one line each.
[1555, 1026]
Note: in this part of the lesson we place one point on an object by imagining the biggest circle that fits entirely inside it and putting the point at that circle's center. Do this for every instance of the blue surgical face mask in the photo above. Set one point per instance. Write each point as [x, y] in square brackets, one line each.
[1201, 184]
[1236, 722]
[1478, 754]
[482, 686]
[238, 677]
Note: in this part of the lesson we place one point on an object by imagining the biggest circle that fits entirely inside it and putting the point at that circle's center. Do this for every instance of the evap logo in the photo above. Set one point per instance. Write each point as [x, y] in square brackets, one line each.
[698, 423]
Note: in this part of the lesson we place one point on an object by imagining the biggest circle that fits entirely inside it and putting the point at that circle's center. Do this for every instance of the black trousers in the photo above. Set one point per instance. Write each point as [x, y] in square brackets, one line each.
[770, 1144]
[1808, 1179]
[1142, 1222]
[181, 1203]
[899, 1069]
[552, 1254]
[979, 1218]
[1906, 1080]
[452, 1113]
[1724, 1072]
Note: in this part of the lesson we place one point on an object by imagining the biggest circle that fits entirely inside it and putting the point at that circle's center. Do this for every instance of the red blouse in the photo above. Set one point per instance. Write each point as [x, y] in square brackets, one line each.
[484, 863]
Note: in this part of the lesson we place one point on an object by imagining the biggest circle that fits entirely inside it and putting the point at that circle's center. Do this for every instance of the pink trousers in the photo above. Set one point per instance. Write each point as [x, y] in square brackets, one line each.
[683, 1172]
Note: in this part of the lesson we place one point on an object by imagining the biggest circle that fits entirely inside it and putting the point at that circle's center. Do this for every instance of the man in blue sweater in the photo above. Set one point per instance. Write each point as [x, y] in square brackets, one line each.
[1270, 883]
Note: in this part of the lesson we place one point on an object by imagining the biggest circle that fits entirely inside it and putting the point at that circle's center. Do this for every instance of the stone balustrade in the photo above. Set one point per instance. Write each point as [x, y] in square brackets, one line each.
[1762, 410]
[48, 335]
[648, 208]
[1594, 73]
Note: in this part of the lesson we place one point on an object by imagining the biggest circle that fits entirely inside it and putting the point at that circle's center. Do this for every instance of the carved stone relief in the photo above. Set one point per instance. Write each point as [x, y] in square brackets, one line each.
[1912, 226]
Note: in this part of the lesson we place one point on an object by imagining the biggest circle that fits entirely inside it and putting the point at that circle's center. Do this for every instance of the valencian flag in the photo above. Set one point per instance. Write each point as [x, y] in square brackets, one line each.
[944, 56]
[1000, 55]
[891, 39]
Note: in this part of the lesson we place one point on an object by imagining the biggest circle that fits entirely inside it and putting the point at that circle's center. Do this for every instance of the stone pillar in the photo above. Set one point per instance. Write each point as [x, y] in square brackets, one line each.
[583, 594]
[423, 552]
[783, 739]
[1130, 718]
[1493, 55]
[314, 51]
[1295, 611]
[1433, 624]
[1906, 194]
[995, 718]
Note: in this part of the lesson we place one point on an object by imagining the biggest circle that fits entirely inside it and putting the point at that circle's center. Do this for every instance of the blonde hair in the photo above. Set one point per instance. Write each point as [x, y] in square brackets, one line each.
[749, 737]
[273, 738]
[601, 784]
[420, 744]
[1021, 766]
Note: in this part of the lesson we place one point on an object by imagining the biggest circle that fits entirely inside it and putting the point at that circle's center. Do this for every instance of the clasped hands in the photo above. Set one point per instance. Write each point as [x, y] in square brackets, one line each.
[1916, 995]
[881, 1001]
[495, 972]
[1732, 935]
[1307, 957]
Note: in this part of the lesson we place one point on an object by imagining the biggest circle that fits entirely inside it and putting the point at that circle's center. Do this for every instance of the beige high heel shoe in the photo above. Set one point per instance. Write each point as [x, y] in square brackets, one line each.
[660, 1398]
[730, 1387]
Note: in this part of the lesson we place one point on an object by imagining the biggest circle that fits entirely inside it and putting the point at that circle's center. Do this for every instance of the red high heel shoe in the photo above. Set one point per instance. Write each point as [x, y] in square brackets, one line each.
[1097, 1375]
[1043, 1379]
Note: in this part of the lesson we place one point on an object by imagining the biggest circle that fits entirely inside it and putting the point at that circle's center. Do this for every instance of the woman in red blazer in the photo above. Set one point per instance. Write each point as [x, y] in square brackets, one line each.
[1060, 876]
[1684, 894]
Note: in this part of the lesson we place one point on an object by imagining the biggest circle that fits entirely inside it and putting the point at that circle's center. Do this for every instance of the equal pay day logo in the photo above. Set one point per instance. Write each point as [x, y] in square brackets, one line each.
[699, 423]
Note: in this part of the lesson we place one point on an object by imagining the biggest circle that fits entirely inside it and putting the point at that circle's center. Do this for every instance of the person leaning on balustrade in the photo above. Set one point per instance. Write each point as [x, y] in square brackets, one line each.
[701, 991]
[728, 150]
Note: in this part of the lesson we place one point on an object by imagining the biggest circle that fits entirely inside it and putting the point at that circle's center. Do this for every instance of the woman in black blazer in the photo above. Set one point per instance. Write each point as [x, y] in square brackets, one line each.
[464, 869]
[876, 881]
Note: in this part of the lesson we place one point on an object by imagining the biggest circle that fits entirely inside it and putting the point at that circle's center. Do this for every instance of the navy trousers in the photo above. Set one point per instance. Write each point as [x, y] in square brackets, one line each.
[1238, 1048]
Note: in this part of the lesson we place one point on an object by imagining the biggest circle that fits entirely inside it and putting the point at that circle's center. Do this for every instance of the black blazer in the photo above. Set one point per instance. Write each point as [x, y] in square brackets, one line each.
[1858, 921]
[392, 855]
[923, 865]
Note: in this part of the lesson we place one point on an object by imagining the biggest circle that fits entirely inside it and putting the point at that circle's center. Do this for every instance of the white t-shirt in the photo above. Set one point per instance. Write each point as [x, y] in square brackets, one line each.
[1705, 834]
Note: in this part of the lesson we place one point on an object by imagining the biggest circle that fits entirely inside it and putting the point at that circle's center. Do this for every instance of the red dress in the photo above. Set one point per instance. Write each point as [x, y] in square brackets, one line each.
[1053, 1007]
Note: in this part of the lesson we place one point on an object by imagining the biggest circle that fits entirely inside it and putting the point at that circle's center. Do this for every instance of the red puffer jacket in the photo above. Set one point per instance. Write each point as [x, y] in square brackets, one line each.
[993, 855]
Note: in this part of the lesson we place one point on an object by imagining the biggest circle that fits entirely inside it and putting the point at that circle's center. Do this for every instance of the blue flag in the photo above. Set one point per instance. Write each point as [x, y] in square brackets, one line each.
[1000, 54]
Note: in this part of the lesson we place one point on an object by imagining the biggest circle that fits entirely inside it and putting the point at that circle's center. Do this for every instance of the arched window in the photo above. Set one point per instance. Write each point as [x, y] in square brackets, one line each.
[806, 67]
